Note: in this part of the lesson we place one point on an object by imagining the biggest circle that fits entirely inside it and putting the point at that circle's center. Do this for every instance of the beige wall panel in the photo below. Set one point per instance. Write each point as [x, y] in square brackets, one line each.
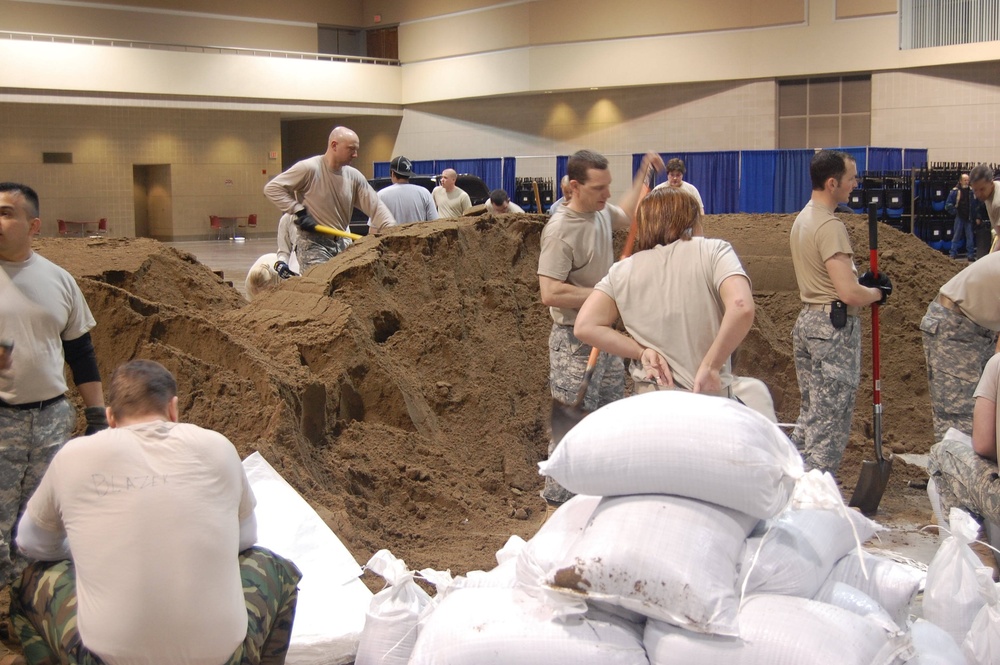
[701, 116]
[217, 159]
[856, 8]
[953, 111]
[492, 30]
[78, 67]
[157, 28]
[331, 12]
[304, 138]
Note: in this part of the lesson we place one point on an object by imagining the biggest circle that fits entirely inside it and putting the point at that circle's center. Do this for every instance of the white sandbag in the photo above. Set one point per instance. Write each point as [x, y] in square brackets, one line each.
[799, 548]
[391, 622]
[332, 600]
[857, 601]
[665, 557]
[933, 646]
[489, 626]
[982, 642]
[891, 584]
[956, 579]
[673, 442]
[781, 630]
[554, 539]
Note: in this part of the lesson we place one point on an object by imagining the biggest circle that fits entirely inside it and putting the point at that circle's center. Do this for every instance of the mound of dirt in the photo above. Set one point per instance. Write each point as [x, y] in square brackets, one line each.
[402, 387]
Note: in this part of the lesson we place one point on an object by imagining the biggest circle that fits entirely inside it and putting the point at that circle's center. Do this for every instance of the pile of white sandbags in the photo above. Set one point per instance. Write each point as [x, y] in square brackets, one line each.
[695, 538]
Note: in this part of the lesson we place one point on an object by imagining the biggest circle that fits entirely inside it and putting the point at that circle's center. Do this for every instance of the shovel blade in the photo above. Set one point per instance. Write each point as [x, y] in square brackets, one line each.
[871, 486]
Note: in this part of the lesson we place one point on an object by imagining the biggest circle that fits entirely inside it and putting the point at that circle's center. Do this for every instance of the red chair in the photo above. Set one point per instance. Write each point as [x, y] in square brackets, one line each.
[62, 227]
[102, 226]
[252, 221]
[216, 225]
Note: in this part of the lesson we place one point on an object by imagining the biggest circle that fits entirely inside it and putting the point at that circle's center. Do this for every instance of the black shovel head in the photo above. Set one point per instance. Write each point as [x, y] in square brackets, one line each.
[871, 486]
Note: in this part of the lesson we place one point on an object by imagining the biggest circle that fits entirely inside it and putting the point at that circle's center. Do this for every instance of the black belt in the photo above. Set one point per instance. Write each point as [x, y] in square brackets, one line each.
[32, 405]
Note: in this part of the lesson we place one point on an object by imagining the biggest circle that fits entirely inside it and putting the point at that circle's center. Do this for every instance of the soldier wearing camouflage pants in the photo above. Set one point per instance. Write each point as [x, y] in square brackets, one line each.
[967, 477]
[960, 334]
[576, 253]
[826, 339]
[153, 514]
[44, 325]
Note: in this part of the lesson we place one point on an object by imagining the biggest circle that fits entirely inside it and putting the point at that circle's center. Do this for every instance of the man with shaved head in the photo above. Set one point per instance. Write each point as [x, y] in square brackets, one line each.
[322, 191]
[451, 200]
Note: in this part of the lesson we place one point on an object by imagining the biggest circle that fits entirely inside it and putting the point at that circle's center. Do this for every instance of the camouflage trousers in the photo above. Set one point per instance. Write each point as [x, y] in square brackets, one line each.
[828, 369]
[956, 350]
[29, 440]
[965, 480]
[567, 364]
[313, 248]
[43, 610]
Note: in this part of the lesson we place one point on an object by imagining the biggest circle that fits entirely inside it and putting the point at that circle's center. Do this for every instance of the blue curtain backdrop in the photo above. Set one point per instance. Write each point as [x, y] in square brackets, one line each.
[914, 158]
[561, 162]
[885, 159]
[425, 167]
[757, 181]
[792, 185]
[715, 174]
[860, 155]
[509, 176]
[381, 169]
[490, 170]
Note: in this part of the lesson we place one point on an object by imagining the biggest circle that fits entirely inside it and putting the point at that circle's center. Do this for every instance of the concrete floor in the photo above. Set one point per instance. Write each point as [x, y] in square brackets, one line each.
[232, 257]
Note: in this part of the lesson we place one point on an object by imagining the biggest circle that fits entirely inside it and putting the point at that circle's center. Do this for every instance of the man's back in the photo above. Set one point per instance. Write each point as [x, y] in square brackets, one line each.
[408, 203]
[152, 515]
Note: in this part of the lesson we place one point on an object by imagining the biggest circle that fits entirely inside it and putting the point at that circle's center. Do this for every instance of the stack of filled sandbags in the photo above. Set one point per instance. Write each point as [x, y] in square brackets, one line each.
[695, 538]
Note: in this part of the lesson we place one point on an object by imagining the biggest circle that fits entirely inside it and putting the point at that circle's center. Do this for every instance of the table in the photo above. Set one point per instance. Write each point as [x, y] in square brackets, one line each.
[79, 227]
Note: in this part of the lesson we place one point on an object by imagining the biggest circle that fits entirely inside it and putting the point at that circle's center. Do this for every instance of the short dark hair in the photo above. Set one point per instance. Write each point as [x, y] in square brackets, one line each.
[30, 195]
[827, 164]
[141, 387]
[980, 173]
[676, 164]
[498, 197]
[583, 160]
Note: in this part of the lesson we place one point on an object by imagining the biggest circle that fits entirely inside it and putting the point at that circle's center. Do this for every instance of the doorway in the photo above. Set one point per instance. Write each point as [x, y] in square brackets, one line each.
[153, 200]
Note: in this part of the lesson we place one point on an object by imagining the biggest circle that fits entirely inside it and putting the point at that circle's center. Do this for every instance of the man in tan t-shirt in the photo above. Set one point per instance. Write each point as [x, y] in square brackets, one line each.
[960, 335]
[450, 199]
[576, 253]
[826, 339]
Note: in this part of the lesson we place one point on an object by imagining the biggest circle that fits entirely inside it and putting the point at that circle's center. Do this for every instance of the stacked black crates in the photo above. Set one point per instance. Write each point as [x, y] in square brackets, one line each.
[890, 192]
[931, 222]
[525, 193]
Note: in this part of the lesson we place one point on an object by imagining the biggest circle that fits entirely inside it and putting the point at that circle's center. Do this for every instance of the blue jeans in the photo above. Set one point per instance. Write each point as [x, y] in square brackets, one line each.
[964, 229]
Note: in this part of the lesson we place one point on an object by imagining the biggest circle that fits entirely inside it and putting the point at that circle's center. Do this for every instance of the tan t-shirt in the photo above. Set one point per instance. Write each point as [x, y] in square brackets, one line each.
[989, 385]
[152, 514]
[976, 290]
[669, 300]
[41, 306]
[451, 204]
[993, 207]
[577, 248]
[817, 235]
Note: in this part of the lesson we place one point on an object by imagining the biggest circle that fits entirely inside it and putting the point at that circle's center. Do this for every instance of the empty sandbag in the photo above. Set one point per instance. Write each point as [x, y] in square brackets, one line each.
[892, 585]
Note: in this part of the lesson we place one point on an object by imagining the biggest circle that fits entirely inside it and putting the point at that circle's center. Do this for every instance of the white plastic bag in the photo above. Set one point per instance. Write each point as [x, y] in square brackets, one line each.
[781, 630]
[673, 442]
[891, 584]
[982, 643]
[666, 557]
[491, 626]
[933, 646]
[956, 579]
[391, 623]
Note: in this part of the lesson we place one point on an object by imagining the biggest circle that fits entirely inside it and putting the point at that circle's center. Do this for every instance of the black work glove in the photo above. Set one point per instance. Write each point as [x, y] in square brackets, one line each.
[881, 283]
[305, 221]
[97, 419]
[284, 272]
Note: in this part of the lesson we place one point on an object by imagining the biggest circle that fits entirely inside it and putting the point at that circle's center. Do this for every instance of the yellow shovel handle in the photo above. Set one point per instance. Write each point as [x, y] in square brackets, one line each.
[330, 231]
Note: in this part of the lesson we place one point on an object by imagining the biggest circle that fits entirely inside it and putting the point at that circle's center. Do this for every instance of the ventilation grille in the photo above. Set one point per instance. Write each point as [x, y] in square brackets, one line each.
[57, 158]
[925, 23]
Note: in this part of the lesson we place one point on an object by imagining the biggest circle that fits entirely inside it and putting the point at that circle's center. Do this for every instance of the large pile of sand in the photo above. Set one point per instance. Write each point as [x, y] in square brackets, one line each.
[401, 388]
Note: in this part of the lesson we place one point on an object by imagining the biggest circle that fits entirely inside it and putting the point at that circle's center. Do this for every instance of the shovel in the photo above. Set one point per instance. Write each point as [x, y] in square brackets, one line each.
[330, 231]
[565, 416]
[874, 475]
